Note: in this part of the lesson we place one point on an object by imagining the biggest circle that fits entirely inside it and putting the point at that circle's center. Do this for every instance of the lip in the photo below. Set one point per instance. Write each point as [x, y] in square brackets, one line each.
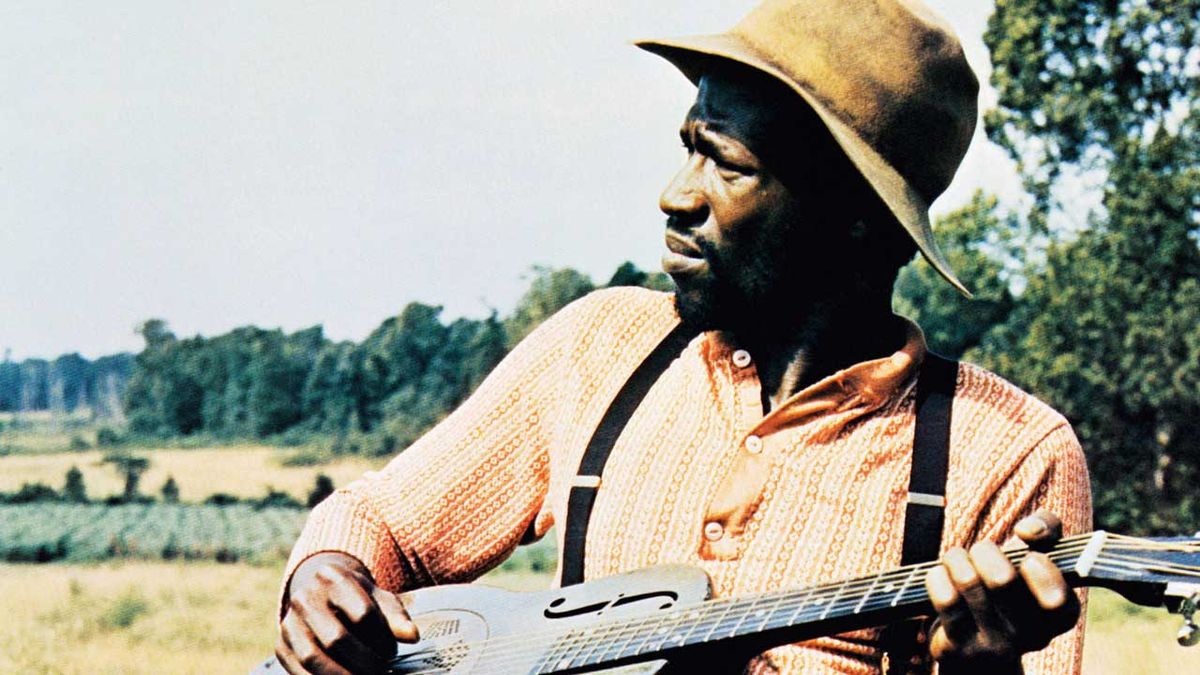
[683, 247]
[680, 265]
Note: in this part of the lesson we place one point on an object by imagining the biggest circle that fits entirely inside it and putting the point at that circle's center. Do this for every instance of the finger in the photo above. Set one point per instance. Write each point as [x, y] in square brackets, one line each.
[1041, 531]
[341, 645]
[287, 659]
[1050, 591]
[364, 618]
[401, 625]
[957, 624]
[303, 645]
[989, 627]
[1009, 598]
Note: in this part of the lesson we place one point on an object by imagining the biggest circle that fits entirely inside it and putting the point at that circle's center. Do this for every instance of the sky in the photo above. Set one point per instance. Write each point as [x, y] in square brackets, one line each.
[286, 164]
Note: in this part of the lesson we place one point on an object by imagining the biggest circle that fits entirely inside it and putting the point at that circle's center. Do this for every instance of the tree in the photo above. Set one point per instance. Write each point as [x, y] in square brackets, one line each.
[170, 491]
[551, 290]
[73, 487]
[978, 242]
[132, 467]
[322, 488]
[1108, 327]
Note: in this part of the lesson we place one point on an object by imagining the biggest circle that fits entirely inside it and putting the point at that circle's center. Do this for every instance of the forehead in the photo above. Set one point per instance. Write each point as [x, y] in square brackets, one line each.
[753, 108]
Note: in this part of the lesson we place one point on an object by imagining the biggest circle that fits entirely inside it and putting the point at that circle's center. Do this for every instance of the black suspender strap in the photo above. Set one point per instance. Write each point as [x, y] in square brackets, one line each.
[591, 467]
[931, 449]
[924, 515]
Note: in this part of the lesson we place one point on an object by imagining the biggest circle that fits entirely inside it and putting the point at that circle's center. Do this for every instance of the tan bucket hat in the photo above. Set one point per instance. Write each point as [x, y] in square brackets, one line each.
[888, 77]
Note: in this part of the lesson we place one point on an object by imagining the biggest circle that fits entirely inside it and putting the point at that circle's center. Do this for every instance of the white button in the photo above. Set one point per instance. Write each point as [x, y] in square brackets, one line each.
[713, 530]
[741, 358]
[754, 445]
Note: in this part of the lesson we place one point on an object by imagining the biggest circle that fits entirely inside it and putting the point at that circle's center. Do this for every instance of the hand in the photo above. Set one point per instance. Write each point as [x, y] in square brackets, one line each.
[337, 621]
[988, 613]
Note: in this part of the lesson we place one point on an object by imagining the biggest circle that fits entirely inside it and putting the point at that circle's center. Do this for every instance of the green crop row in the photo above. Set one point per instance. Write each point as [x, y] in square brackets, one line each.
[91, 532]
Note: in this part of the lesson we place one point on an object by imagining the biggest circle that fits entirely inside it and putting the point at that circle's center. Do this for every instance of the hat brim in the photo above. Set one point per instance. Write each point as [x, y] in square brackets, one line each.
[909, 207]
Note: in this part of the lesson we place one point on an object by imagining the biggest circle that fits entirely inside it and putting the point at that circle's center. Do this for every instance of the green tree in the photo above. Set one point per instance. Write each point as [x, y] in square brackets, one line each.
[979, 244]
[170, 491]
[1109, 322]
[322, 488]
[74, 489]
[131, 467]
[551, 290]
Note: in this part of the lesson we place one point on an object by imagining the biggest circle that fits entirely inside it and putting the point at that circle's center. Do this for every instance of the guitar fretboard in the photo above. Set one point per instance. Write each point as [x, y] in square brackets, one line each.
[859, 602]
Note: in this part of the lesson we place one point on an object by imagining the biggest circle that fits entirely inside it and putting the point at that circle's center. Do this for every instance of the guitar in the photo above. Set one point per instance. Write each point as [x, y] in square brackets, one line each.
[660, 619]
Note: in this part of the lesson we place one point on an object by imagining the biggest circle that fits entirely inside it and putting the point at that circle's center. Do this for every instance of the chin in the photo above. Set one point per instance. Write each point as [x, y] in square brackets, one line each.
[701, 309]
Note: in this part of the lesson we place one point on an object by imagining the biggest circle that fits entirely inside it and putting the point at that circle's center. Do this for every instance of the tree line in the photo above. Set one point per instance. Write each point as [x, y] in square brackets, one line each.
[66, 384]
[376, 396]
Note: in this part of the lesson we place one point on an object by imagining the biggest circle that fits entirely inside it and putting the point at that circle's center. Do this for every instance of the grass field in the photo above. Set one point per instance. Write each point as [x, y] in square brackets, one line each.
[245, 471]
[140, 617]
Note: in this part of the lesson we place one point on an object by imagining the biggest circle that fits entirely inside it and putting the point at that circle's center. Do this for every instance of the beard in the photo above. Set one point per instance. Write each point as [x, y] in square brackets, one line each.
[725, 298]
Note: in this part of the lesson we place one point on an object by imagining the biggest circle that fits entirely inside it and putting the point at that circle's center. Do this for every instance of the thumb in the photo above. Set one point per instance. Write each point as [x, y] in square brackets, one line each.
[398, 620]
[1041, 531]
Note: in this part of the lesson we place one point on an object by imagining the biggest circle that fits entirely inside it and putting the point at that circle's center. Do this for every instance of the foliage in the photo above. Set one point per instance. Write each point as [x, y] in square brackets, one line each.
[978, 242]
[126, 609]
[132, 467]
[74, 489]
[30, 493]
[170, 491]
[1108, 325]
[322, 488]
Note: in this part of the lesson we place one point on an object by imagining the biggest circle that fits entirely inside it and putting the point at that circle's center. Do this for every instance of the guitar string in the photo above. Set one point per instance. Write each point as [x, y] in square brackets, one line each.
[497, 646]
[814, 597]
[782, 602]
[498, 651]
[529, 653]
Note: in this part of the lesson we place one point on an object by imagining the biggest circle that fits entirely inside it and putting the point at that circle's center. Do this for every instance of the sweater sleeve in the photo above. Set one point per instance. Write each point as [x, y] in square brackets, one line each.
[456, 502]
[1052, 477]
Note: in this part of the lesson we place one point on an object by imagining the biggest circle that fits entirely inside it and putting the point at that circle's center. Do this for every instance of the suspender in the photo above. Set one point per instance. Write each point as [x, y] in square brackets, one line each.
[587, 481]
[923, 517]
[925, 514]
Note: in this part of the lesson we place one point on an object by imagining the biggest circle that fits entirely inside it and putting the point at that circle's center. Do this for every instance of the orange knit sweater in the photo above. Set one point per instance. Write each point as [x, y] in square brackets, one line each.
[813, 492]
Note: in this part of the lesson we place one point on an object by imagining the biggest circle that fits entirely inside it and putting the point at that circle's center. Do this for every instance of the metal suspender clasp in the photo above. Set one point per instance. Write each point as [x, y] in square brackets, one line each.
[585, 481]
[924, 499]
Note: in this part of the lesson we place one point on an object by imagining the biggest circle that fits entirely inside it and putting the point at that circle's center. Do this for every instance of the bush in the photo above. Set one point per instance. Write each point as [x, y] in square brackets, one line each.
[31, 493]
[322, 488]
[124, 611]
[107, 437]
[275, 498]
[221, 499]
[170, 491]
[73, 488]
[79, 443]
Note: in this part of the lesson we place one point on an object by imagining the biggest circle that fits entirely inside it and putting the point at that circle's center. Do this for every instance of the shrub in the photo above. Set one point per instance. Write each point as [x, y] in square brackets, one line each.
[221, 499]
[73, 488]
[79, 443]
[124, 611]
[170, 491]
[322, 488]
[275, 498]
[107, 437]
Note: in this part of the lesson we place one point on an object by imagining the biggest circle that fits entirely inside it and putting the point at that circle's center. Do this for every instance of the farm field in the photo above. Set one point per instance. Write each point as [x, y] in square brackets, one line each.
[94, 532]
[242, 471]
[162, 617]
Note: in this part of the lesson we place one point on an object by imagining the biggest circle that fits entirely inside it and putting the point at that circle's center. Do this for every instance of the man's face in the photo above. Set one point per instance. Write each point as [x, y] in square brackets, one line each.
[744, 225]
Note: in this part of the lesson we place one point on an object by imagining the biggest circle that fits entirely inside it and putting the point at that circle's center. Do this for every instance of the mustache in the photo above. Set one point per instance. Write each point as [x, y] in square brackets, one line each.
[706, 247]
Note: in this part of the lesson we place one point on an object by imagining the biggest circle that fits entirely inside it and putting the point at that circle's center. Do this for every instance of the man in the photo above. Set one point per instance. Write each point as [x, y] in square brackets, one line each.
[775, 451]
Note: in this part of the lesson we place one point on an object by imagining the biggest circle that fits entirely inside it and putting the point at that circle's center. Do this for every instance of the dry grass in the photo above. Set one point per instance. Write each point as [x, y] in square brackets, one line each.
[139, 617]
[245, 471]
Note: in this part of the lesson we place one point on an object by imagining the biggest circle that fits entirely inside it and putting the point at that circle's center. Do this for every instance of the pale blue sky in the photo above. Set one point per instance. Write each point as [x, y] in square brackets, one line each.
[285, 164]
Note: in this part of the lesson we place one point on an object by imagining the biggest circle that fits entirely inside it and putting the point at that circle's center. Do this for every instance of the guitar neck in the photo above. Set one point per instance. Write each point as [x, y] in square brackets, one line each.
[777, 617]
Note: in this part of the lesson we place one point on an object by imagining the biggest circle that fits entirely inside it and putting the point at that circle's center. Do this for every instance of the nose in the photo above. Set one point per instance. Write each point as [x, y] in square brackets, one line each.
[683, 198]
